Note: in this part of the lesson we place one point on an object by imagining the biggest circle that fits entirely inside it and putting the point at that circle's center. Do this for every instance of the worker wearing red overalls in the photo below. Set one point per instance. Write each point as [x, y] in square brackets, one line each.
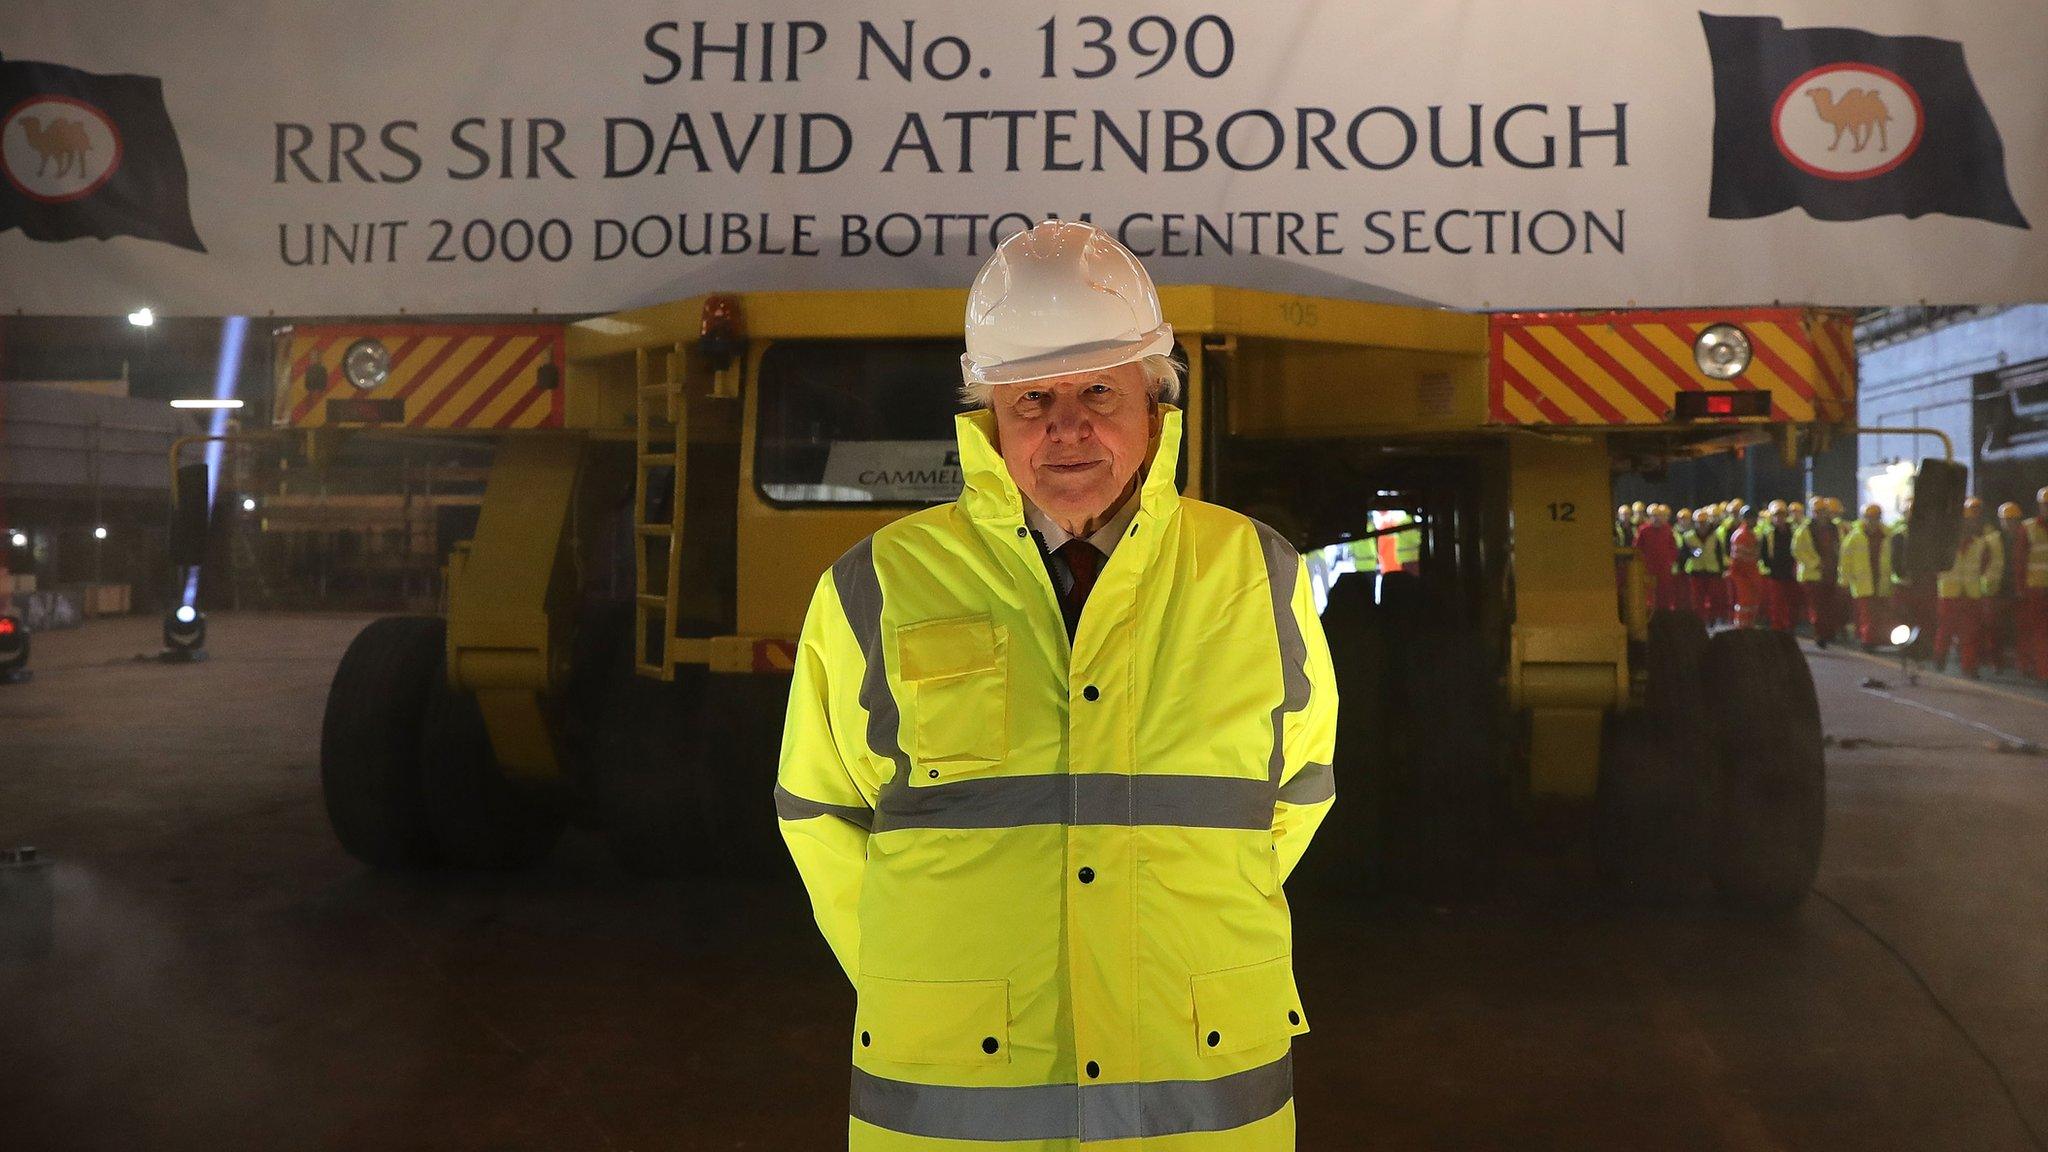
[1781, 572]
[1744, 574]
[1866, 574]
[2001, 611]
[1817, 550]
[1975, 574]
[2032, 570]
[1658, 546]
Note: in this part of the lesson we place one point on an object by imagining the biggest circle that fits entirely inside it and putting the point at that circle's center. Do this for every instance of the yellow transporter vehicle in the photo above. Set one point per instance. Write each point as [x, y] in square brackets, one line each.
[669, 483]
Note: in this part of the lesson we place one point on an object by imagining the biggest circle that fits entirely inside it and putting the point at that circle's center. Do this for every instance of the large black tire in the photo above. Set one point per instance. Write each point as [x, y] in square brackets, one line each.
[647, 791]
[1653, 806]
[478, 817]
[1770, 810]
[1445, 799]
[741, 728]
[370, 741]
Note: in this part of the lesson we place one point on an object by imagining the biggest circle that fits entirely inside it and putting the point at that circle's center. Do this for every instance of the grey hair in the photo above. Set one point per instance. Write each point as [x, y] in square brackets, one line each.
[1162, 375]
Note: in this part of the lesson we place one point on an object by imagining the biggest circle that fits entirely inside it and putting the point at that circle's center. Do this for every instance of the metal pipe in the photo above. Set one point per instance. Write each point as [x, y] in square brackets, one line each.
[178, 446]
[1948, 447]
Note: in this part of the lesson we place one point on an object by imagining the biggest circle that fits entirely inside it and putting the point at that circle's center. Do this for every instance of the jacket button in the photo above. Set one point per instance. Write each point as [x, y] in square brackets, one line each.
[1215, 1038]
[1091, 692]
[863, 1039]
[1087, 875]
[934, 773]
[989, 1045]
[1094, 1069]
[1293, 1017]
[1021, 532]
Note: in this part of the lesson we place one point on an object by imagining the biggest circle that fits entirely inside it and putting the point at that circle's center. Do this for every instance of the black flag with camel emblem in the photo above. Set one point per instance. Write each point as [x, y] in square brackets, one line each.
[85, 154]
[1846, 124]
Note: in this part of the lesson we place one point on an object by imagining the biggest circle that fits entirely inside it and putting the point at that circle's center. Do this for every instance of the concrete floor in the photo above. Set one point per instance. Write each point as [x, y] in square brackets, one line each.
[225, 977]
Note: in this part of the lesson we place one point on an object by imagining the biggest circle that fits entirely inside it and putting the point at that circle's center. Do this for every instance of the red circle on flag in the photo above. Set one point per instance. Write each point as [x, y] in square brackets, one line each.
[1807, 156]
[10, 154]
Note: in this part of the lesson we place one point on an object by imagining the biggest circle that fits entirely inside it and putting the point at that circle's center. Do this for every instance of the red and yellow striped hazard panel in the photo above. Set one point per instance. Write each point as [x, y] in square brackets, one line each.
[1626, 367]
[475, 376]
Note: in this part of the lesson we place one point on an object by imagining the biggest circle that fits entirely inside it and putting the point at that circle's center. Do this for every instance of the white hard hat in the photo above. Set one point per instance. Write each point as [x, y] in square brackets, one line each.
[1058, 298]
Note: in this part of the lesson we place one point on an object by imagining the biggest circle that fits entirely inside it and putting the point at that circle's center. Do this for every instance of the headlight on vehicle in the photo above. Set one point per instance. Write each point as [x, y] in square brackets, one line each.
[367, 363]
[1722, 351]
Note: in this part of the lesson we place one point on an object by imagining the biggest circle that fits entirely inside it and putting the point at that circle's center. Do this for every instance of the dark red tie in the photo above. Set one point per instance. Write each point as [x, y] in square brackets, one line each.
[1082, 560]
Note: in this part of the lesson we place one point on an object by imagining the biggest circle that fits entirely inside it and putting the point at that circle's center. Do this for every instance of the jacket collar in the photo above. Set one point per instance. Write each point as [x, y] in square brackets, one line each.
[991, 495]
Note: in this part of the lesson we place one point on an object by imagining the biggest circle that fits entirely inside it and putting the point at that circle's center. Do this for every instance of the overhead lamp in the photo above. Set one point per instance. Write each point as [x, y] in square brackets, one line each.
[142, 317]
[248, 503]
[18, 538]
[100, 533]
[202, 402]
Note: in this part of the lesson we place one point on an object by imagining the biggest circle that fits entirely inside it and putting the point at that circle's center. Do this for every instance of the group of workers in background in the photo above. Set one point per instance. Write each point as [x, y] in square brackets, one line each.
[1731, 565]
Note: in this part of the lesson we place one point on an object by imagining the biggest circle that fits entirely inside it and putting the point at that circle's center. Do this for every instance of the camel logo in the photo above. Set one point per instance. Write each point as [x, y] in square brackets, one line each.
[1845, 124]
[1847, 121]
[85, 154]
[55, 148]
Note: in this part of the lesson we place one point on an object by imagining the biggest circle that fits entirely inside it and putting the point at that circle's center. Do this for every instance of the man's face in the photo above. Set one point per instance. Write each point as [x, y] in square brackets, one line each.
[1073, 443]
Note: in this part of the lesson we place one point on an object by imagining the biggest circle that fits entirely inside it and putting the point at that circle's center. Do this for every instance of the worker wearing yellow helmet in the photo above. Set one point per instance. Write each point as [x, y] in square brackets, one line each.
[1778, 566]
[1657, 543]
[1866, 574]
[2032, 574]
[1053, 748]
[1975, 574]
[1704, 556]
[2002, 611]
[1817, 552]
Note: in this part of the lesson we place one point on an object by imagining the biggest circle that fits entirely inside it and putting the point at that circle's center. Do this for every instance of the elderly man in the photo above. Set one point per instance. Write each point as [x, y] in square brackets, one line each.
[1052, 750]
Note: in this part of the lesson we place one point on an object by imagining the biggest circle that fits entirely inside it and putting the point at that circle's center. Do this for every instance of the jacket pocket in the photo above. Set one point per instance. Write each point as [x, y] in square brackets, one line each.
[1259, 861]
[934, 1021]
[956, 676]
[1241, 1008]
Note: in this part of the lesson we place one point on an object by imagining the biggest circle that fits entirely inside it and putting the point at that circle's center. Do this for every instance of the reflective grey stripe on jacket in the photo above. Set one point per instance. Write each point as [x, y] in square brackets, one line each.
[1187, 801]
[1074, 1111]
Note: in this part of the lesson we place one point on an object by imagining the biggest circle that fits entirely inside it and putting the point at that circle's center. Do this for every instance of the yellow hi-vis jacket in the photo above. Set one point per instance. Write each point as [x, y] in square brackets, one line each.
[2036, 531]
[1856, 574]
[1054, 872]
[1979, 568]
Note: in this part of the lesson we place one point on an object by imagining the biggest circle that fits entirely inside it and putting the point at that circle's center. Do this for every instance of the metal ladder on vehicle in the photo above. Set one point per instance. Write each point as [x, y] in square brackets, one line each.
[661, 447]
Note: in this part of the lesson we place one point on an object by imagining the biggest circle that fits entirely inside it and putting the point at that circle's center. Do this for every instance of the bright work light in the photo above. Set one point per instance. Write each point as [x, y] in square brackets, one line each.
[1722, 351]
[184, 633]
[100, 533]
[19, 539]
[142, 318]
[1902, 634]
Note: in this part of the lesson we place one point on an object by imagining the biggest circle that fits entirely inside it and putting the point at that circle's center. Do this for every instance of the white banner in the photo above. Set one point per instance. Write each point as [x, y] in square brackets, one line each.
[513, 156]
